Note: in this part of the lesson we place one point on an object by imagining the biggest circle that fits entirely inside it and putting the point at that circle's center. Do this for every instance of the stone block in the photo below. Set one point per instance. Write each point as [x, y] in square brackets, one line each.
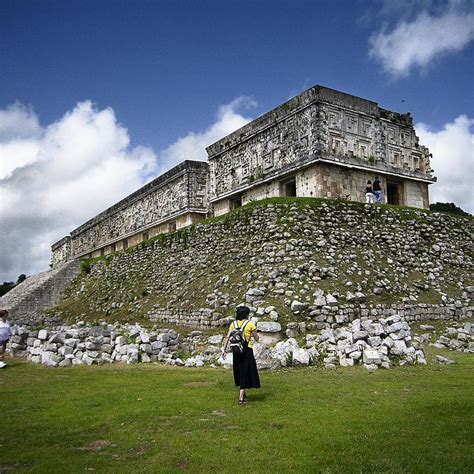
[121, 340]
[374, 341]
[268, 326]
[346, 362]
[438, 359]
[300, 357]
[360, 335]
[59, 338]
[371, 356]
[65, 363]
[395, 327]
[399, 348]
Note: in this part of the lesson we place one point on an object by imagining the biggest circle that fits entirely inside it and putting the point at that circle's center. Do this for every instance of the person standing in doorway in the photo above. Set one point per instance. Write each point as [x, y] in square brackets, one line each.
[377, 187]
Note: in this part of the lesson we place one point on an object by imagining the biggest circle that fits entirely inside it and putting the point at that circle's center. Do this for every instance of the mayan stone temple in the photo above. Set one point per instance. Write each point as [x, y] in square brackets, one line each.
[174, 200]
[322, 143]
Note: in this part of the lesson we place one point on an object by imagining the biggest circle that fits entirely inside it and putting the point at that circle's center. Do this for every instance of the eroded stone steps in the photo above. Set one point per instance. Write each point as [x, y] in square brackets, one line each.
[39, 291]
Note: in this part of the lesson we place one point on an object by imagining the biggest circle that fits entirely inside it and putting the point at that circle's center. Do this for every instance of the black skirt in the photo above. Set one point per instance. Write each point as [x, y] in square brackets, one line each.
[245, 370]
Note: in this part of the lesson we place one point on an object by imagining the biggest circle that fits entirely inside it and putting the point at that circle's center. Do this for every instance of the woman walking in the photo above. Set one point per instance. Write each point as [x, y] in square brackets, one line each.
[240, 333]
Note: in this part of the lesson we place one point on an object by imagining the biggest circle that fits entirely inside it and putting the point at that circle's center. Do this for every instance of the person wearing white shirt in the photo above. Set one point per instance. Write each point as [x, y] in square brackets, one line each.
[5, 334]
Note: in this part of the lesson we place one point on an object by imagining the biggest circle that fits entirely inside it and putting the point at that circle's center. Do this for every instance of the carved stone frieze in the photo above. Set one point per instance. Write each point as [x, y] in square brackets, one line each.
[318, 124]
[180, 190]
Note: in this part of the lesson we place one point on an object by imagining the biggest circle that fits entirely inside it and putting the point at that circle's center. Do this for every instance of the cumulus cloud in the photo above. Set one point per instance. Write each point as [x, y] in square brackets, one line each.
[418, 42]
[54, 178]
[193, 145]
[453, 161]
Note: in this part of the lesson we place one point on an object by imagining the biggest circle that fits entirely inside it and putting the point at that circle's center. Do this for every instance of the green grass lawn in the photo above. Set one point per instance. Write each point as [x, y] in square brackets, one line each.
[151, 418]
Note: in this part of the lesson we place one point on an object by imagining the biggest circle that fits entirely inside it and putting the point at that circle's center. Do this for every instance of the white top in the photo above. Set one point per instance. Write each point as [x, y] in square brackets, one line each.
[5, 330]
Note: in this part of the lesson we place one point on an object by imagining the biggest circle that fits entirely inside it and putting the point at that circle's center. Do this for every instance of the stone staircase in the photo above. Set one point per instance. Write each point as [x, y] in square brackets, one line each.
[39, 291]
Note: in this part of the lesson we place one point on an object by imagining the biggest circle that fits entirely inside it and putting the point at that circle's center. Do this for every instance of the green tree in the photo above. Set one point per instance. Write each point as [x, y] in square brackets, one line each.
[448, 207]
[6, 287]
[21, 278]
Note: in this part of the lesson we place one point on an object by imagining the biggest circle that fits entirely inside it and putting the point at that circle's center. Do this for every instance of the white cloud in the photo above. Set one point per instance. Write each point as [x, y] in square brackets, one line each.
[17, 122]
[453, 161]
[419, 42]
[54, 178]
[193, 145]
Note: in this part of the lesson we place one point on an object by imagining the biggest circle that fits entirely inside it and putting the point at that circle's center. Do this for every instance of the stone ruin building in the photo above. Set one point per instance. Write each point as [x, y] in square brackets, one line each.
[174, 200]
[322, 143]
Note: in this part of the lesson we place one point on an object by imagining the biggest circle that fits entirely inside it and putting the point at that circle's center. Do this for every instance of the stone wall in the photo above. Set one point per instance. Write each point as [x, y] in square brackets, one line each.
[320, 124]
[416, 194]
[61, 251]
[173, 200]
[300, 257]
[326, 316]
[375, 343]
[325, 180]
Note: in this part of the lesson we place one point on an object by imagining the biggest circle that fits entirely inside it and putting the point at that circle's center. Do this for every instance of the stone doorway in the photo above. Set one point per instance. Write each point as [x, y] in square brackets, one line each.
[236, 202]
[289, 188]
[394, 193]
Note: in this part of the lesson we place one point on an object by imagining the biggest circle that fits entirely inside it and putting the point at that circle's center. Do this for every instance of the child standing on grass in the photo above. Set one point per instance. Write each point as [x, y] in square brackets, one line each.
[5, 334]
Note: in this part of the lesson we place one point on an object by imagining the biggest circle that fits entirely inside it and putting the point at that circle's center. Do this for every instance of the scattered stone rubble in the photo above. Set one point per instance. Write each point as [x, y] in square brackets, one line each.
[371, 343]
[439, 359]
[79, 344]
[457, 338]
[374, 344]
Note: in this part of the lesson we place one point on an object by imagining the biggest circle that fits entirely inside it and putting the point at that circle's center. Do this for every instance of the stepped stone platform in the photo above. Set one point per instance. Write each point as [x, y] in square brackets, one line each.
[39, 291]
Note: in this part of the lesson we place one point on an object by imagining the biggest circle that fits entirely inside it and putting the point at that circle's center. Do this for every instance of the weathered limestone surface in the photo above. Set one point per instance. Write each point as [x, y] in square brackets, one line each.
[61, 251]
[375, 344]
[39, 291]
[321, 126]
[322, 143]
[325, 261]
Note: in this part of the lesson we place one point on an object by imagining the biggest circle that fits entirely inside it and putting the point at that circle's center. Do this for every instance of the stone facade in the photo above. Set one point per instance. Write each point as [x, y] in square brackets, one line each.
[322, 143]
[172, 201]
[61, 251]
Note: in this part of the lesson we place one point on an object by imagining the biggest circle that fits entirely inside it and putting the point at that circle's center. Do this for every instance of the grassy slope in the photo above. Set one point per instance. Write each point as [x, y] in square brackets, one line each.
[152, 418]
[139, 291]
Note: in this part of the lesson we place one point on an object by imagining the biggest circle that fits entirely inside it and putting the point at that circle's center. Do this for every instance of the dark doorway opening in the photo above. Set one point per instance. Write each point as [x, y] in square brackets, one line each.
[393, 193]
[172, 226]
[235, 202]
[289, 188]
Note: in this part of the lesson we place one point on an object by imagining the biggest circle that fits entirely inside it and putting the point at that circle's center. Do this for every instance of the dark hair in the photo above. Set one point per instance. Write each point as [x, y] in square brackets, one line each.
[242, 312]
[3, 313]
[369, 182]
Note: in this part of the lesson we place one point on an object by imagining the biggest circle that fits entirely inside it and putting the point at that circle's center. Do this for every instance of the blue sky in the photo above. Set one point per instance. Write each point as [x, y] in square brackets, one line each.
[165, 66]
[161, 79]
